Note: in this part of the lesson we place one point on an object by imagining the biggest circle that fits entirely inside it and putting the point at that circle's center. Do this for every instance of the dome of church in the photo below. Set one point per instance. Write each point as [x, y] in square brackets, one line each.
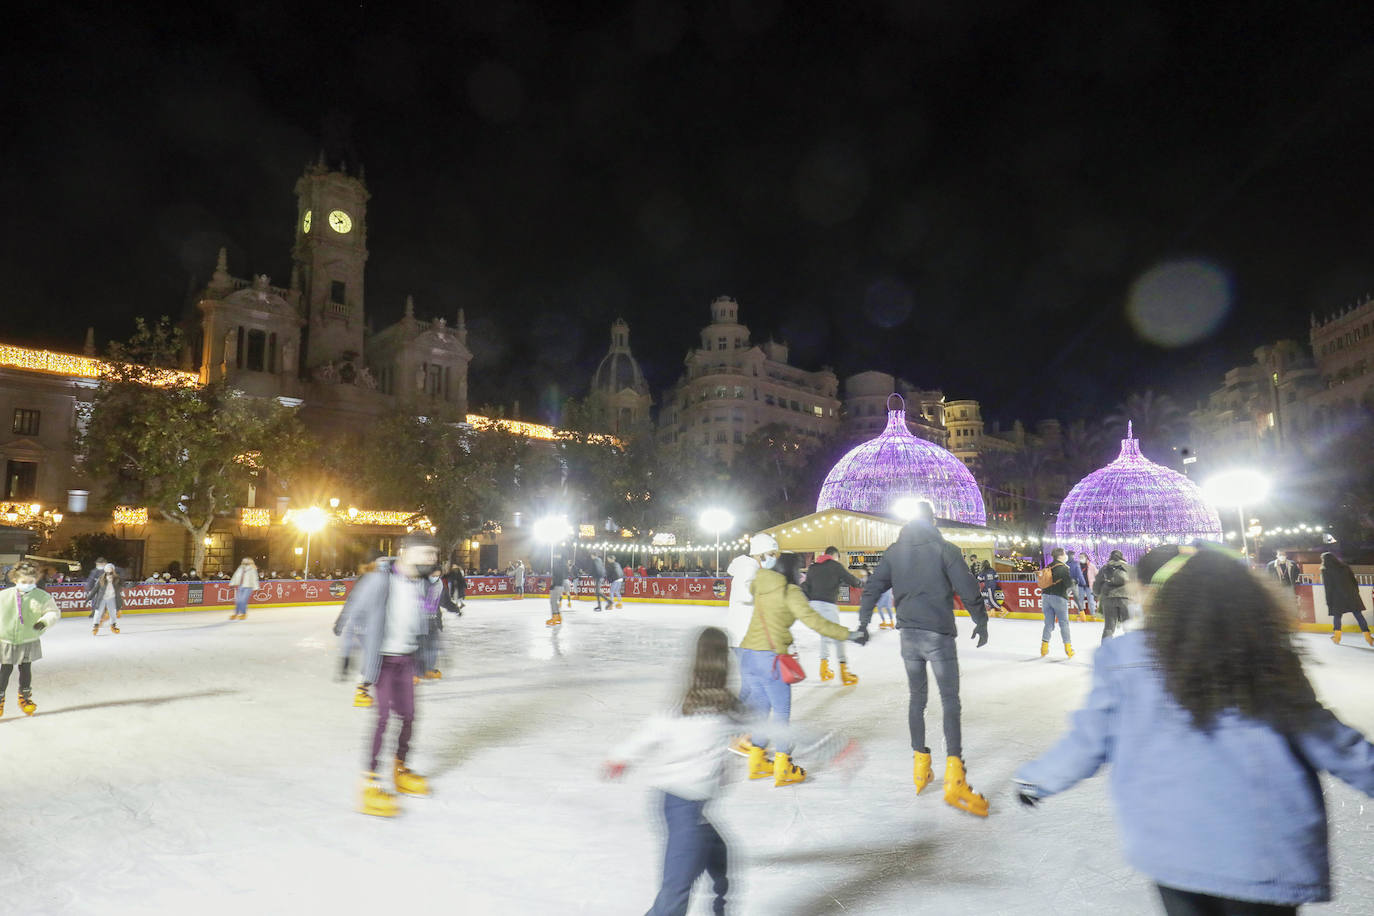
[1131, 505]
[896, 464]
[618, 370]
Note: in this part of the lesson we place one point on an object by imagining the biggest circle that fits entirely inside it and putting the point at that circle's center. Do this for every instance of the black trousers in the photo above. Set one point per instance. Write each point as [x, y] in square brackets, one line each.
[921, 648]
[25, 677]
[1359, 619]
[1190, 903]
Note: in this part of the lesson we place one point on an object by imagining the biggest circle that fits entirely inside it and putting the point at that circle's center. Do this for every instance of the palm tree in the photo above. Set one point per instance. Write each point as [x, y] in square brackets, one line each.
[1158, 421]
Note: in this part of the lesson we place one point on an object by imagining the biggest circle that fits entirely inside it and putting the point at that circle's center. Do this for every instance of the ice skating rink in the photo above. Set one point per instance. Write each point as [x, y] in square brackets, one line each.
[195, 766]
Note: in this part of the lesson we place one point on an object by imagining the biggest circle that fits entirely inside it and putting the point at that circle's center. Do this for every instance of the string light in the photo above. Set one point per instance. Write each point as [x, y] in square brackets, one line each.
[255, 517]
[73, 365]
[1131, 505]
[130, 515]
[896, 464]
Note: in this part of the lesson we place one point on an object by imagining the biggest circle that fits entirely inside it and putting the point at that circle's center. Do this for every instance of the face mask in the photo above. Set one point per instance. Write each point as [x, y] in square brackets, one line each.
[424, 569]
[26, 587]
[769, 562]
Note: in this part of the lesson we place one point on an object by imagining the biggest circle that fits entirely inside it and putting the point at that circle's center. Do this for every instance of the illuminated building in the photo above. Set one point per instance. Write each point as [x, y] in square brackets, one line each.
[732, 387]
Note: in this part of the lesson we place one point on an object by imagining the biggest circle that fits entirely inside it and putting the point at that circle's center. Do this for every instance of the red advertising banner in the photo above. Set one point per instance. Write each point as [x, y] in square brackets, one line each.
[191, 596]
[675, 588]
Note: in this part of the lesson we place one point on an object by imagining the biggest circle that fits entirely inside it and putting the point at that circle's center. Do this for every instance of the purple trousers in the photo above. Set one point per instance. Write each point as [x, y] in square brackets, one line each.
[395, 693]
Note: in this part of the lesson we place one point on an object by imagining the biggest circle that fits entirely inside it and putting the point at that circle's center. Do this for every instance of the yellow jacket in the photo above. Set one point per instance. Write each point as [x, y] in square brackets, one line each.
[777, 605]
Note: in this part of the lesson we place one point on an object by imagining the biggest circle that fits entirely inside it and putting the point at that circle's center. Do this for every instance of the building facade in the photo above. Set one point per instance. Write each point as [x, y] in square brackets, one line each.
[732, 387]
[309, 343]
[619, 400]
[866, 397]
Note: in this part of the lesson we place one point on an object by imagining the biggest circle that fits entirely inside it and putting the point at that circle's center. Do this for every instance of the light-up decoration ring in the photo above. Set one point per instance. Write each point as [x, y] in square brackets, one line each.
[895, 464]
[1131, 505]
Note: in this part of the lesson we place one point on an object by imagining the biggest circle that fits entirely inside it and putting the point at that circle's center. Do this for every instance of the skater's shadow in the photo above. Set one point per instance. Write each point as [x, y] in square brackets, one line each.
[867, 869]
[146, 701]
[497, 727]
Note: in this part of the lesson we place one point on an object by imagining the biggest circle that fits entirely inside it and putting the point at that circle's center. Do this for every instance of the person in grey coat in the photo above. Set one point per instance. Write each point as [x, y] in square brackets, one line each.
[104, 596]
[1213, 770]
[924, 572]
[390, 611]
[1113, 588]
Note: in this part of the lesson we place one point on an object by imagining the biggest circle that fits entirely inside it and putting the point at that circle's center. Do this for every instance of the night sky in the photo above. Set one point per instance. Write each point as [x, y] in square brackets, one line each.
[962, 197]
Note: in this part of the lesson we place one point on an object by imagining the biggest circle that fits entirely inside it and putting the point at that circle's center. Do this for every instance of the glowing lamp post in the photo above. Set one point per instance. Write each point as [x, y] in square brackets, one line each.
[550, 530]
[310, 521]
[1239, 488]
[905, 508]
[717, 520]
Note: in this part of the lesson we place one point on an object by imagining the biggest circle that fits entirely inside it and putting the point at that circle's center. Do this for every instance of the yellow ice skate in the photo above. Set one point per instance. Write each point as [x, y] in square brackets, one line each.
[785, 773]
[361, 697]
[826, 673]
[409, 783]
[921, 773]
[760, 767]
[958, 793]
[847, 677]
[376, 800]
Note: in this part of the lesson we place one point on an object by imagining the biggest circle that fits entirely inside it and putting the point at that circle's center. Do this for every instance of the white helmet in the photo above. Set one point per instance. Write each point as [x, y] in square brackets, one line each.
[760, 544]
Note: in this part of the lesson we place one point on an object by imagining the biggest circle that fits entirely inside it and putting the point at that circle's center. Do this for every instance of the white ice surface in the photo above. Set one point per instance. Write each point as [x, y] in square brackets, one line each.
[195, 766]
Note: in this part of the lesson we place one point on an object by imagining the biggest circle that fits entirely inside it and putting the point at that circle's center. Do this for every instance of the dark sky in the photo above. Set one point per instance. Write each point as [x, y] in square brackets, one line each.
[964, 194]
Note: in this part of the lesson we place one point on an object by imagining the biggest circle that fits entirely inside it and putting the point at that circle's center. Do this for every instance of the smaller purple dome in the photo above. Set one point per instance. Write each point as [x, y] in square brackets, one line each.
[895, 464]
[1131, 505]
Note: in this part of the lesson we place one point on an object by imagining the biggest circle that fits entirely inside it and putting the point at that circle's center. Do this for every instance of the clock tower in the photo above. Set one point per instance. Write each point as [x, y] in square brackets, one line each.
[329, 256]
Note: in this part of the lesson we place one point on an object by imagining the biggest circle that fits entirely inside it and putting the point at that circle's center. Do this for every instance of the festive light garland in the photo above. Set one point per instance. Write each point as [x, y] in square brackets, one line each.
[130, 515]
[897, 464]
[255, 517]
[1132, 505]
[74, 365]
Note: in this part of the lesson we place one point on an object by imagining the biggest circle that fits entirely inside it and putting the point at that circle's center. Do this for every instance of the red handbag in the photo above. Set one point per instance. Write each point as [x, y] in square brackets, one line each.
[786, 666]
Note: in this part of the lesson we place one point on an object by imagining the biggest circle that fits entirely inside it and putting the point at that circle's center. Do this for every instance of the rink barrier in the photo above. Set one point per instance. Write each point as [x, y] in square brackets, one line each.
[1021, 599]
[168, 597]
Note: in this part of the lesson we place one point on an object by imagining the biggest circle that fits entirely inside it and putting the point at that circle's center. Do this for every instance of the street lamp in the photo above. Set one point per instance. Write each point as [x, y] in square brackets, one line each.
[717, 520]
[310, 521]
[1238, 488]
[906, 508]
[551, 529]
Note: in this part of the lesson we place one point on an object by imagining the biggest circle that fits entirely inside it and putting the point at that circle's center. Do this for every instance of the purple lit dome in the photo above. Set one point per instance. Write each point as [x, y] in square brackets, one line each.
[1131, 505]
[896, 464]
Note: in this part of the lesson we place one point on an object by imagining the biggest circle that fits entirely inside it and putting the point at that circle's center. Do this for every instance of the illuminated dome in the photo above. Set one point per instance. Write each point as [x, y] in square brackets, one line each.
[896, 464]
[1132, 504]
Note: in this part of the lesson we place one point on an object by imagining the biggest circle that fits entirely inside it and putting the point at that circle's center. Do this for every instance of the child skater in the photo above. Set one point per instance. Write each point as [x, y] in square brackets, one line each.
[26, 611]
[683, 752]
[104, 598]
[1215, 739]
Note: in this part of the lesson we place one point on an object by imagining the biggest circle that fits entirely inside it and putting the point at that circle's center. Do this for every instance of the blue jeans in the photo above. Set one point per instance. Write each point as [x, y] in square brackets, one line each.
[241, 599]
[762, 690]
[694, 846]
[1055, 608]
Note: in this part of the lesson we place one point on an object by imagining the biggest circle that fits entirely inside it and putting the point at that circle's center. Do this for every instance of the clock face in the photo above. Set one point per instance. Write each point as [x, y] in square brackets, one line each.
[340, 221]
[305, 223]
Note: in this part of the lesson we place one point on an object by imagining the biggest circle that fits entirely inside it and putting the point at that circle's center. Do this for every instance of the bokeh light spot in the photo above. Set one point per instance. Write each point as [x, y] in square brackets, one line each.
[1179, 302]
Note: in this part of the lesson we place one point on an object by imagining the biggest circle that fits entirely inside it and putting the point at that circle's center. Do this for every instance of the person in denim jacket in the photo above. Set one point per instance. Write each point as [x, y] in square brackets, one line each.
[1215, 739]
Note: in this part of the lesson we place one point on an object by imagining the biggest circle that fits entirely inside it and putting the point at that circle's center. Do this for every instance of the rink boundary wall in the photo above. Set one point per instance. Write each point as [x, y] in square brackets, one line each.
[1020, 599]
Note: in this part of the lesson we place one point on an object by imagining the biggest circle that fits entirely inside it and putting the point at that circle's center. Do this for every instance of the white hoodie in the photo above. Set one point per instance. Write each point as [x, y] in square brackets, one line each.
[680, 755]
[742, 570]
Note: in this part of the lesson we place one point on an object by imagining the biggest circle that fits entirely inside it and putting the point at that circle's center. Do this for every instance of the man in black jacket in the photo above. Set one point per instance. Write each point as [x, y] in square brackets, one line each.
[822, 589]
[924, 572]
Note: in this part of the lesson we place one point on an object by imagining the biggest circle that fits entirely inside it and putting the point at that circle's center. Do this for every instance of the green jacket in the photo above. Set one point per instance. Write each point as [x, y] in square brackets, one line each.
[777, 605]
[37, 604]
